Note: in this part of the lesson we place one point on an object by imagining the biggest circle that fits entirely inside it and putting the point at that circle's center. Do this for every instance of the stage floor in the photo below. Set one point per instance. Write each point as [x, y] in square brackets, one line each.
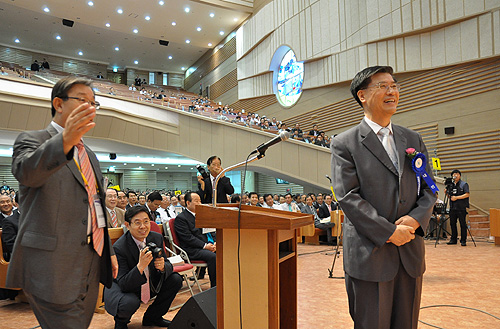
[456, 275]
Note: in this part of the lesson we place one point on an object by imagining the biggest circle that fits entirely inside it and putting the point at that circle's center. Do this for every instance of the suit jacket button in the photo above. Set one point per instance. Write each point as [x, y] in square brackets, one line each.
[83, 243]
[402, 201]
[85, 201]
[84, 221]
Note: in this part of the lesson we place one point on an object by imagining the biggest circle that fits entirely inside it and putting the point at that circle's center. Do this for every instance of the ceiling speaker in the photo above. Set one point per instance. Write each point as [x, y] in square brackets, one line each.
[67, 22]
[112, 156]
[164, 42]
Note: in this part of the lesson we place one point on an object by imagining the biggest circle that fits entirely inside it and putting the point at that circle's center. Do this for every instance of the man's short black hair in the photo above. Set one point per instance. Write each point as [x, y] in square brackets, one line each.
[131, 192]
[16, 198]
[188, 197]
[154, 196]
[456, 171]
[235, 198]
[110, 188]
[363, 79]
[288, 194]
[266, 195]
[212, 158]
[132, 211]
[62, 87]
[252, 193]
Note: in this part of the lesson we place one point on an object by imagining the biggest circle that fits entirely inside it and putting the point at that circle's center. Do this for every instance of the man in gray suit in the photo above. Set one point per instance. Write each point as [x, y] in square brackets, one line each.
[386, 210]
[62, 250]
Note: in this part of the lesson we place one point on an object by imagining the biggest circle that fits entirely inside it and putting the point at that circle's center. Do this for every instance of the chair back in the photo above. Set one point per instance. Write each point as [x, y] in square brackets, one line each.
[115, 233]
[155, 227]
[172, 231]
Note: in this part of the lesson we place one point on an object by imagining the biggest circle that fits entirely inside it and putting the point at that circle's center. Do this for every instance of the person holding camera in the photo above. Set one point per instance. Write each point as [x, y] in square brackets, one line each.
[458, 191]
[144, 272]
[206, 181]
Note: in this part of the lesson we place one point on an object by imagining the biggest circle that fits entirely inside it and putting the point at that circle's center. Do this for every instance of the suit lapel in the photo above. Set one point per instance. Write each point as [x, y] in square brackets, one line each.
[134, 251]
[370, 140]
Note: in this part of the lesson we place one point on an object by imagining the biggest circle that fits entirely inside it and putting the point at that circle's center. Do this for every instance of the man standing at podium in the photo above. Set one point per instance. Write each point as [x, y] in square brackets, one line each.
[386, 210]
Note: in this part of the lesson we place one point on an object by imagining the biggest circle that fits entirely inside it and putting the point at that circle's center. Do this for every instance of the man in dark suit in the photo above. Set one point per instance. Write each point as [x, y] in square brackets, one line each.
[62, 250]
[309, 209]
[141, 276]
[192, 240]
[224, 186]
[327, 206]
[386, 213]
[9, 232]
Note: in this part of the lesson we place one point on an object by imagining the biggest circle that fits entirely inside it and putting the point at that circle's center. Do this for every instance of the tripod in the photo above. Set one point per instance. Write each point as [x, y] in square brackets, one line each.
[340, 234]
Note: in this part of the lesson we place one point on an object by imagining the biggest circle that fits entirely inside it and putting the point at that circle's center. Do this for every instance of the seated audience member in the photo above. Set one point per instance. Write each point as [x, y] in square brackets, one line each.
[235, 198]
[297, 132]
[319, 201]
[269, 202]
[115, 216]
[2, 71]
[35, 66]
[122, 200]
[261, 200]
[165, 213]
[289, 205]
[327, 206]
[309, 209]
[142, 200]
[254, 199]
[45, 64]
[141, 275]
[154, 201]
[99, 76]
[132, 87]
[276, 199]
[182, 200]
[132, 199]
[281, 200]
[112, 91]
[244, 198]
[191, 238]
[282, 128]
[6, 207]
[314, 132]
[10, 227]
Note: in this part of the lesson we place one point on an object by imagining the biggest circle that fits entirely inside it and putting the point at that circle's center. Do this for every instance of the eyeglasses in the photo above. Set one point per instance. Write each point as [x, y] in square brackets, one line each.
[139, 223]
[84, 100]
[386, 86]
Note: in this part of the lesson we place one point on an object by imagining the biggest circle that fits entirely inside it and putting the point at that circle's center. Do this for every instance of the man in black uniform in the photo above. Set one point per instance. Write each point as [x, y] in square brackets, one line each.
[459, 201]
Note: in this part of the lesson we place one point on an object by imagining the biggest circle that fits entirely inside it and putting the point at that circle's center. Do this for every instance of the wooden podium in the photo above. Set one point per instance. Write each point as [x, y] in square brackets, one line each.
[268, 258]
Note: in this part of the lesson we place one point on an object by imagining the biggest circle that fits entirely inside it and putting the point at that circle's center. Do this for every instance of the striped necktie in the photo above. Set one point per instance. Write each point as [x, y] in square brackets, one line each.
[88, 173]
[113, 219]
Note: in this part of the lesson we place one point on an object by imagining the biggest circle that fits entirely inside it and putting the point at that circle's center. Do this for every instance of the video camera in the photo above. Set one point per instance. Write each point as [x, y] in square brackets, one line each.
[448, 183]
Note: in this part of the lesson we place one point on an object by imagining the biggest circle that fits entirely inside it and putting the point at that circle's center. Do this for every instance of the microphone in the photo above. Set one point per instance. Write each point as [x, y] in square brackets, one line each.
[262, 148]
[329, 178]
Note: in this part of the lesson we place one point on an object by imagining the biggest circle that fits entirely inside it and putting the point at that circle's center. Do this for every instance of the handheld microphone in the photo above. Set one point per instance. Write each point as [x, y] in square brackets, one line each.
[262, 148]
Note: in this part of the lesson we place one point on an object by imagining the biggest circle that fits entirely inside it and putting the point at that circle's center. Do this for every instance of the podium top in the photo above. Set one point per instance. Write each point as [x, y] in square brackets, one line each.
[226, 216]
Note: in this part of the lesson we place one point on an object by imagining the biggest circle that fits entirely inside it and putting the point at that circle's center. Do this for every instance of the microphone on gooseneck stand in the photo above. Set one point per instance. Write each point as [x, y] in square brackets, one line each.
[262, 148]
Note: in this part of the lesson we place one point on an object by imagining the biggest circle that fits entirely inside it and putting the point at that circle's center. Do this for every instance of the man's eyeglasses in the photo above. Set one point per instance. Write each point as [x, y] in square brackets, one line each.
[84, 100]
[386, 86]
[139, 223]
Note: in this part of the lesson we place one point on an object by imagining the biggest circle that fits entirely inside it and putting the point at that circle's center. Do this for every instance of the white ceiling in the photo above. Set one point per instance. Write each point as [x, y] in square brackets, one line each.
[37, 30]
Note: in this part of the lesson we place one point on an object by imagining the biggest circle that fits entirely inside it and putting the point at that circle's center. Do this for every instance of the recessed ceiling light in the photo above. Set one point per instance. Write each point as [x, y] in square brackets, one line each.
[187, 9]
[16, 40]
[235, 19]
[90, 3]
[119, 11]
[169, 57]
[161, 3]
[140, 167]
[117, 48]
[212, 15]
[46, 9]
[124, 163]
[210, 44]
[152, 165]
[188, 41]
[221, 32]
[58, 37]
[80, 53]
[136, 62]
[198, 29]
[179, 166]
[166, 167]
[135, 30]
[174, 23]
[182, 68]
[115, 69]
[108, 25]
[147, 18]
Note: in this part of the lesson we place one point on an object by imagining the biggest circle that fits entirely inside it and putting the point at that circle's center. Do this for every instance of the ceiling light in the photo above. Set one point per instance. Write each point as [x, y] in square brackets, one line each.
[183, 68]
[174, 23]
[124, 163]
[58, 37]
[119, 11]
[166, 167]
[179, 166]
[140, 167]
[212, 15]
[161, 3]
[221, 32]
[152, 165]
[80, 53]
[187, 9]
[198, 29]
[108, 25]
[235, 19]
[135, 30]
[16, 40]
[115, 69]
[46, 9]
[210, 44]
[90, 3]
[147, 18]
[117, 49]
[188, 41]
[136, 62]
[169, 57]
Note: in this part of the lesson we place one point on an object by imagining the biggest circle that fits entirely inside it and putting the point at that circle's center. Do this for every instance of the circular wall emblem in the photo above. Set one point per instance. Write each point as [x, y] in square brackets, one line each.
[288, 76]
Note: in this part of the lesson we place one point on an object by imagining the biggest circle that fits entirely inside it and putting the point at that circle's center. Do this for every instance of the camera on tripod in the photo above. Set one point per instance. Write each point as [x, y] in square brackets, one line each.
[448, 182]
